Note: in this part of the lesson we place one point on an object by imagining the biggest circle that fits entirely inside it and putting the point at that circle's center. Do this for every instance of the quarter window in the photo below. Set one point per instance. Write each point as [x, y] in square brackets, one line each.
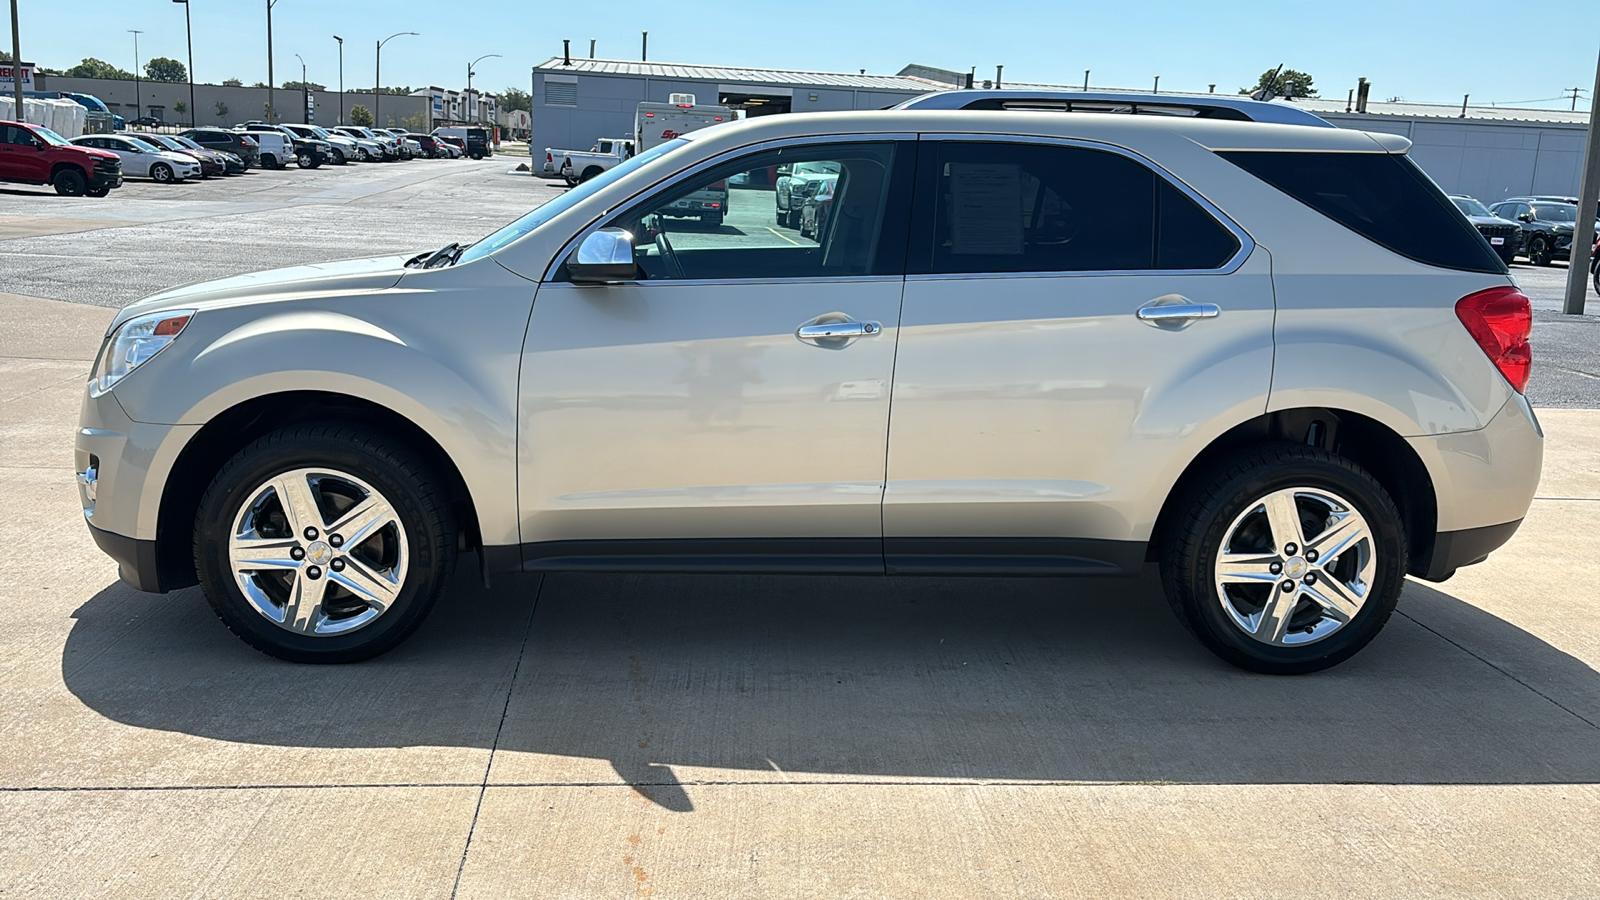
[1000, 207]
[728, 222]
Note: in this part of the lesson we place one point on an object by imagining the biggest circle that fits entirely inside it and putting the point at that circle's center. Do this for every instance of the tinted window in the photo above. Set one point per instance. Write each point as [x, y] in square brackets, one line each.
[12, 134]
[1046, 208]
[726, 222]
[1383, 197]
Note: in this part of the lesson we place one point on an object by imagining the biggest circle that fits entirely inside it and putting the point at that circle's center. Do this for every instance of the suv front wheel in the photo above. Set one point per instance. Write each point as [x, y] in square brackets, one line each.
[323, 543]
[1289, 561]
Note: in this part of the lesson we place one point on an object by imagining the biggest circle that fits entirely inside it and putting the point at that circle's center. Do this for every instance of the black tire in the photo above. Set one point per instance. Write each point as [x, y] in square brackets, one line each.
[1596, 268]
[1539, 251]
[364, 154]
[69, 183]
[100, 191]
[338, 158]
[306, 161]
[162, 173]
[477, 155]
[417, 495]
[1208, 509]
[588, 173]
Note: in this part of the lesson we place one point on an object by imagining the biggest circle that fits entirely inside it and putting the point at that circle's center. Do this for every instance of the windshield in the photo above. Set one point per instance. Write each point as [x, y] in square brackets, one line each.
[1555, 212]
[553, 208]
[185, 142]
[143, 144]
[320, 131]
[1471, 207]
[50, 137]
[165, 142]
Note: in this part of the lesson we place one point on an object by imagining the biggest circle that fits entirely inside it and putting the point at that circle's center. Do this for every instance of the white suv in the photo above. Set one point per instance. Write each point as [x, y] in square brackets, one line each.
[1274, 359]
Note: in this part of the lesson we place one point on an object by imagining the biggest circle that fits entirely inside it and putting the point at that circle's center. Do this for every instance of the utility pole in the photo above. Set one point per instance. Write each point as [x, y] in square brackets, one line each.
[1086, 79]
[1157, 88]
[591, 48]
[341, 78]
[305, 89]
[1576, 93]
[189, 32]
[644, 46]
[1588, 199]
[138, 99]
[272, 102]
[16, 61]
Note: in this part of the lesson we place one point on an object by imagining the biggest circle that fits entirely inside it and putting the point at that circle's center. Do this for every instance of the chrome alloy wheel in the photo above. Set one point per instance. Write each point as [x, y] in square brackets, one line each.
[1295, 567]
[318, 552]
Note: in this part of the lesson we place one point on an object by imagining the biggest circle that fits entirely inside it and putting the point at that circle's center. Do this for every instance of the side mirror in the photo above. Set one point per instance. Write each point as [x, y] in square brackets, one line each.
[604, 257]
[1526, 217]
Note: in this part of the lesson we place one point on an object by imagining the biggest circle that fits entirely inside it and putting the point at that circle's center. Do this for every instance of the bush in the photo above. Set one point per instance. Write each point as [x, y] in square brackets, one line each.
[360, 115]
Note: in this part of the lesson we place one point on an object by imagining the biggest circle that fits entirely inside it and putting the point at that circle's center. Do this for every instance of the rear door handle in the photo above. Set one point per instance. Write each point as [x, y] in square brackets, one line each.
[837, 330]
[1178, 312]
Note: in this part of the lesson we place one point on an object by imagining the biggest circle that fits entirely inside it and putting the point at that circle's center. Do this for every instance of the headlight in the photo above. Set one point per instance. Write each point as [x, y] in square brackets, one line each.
[133, 344]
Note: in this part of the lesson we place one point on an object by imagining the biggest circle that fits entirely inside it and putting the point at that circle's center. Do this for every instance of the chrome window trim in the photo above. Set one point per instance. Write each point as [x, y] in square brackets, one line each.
[1247, 243]
[759, 147]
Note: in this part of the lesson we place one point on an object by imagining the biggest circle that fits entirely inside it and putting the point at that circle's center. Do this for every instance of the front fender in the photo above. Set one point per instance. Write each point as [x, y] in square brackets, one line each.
[441, 349]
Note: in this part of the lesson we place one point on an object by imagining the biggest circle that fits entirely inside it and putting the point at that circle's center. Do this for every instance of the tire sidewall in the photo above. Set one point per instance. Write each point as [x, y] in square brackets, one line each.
[69, 183]
[1218, 631]
[161, 172]
[431, 553]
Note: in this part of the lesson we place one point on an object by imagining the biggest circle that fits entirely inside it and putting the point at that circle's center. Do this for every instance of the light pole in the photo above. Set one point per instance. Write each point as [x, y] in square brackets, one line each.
[471, 97]
[377, 75]
[341, 78]
[272, 100]
[305, 89]
[1588, 197]
[138, 100]
[16, 61]
[188, 30]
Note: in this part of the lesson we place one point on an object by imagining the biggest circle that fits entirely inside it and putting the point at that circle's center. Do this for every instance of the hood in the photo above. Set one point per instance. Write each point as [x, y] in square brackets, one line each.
[1491, 220]
[95, 152]
[175, 156]
[351, 276]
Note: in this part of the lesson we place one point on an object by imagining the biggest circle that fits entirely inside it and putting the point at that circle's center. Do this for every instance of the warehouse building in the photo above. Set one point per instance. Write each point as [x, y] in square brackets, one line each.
[1485, 151]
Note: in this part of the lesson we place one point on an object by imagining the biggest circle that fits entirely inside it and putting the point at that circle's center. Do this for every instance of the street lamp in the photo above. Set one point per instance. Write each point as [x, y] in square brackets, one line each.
[189, 33]
[377, 74]
[305, 89]
[341, 78]
[138, 100]
[272, 105]
[471, 97]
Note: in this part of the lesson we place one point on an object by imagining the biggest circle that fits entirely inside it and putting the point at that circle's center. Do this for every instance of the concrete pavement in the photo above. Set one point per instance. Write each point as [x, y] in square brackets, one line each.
[762, 736]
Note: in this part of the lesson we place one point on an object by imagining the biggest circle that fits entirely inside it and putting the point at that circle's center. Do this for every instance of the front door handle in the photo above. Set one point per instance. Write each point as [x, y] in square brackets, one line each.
[1178, 312]
[837, 330]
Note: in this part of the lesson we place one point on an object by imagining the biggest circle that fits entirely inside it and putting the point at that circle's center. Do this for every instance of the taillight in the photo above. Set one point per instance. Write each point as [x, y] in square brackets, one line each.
[1500, 320]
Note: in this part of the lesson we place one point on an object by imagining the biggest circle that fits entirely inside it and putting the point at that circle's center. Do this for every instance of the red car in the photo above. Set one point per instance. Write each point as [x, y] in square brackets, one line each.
[31, 154]
[430, 144]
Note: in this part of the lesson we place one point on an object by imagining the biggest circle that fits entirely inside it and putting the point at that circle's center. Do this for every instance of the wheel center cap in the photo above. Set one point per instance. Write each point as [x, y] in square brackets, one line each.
[1296, 567]
[319, 553]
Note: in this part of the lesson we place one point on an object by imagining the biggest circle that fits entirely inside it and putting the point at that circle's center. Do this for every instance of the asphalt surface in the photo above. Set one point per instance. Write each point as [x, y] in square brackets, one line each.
[168, 235]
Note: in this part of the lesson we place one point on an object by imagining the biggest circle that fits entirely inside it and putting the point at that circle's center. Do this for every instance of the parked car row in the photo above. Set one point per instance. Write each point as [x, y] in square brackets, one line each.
[94, 164]
[1539, 227]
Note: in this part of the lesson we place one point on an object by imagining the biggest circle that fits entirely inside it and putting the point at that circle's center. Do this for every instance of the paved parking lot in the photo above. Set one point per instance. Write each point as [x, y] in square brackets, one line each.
[676, 736]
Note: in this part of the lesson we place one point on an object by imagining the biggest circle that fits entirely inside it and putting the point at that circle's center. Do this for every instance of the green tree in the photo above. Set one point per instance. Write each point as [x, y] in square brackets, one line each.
[515, 98]
[180, 107]
[232, 82]
[222, 110]
[266, 111]
[163, 69]
[412, 123]
[98, 68]
[1289, 84]
[297, 85]
[360, 115]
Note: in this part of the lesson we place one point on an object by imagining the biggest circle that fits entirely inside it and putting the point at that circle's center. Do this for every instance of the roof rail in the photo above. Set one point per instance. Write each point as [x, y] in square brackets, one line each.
[1240, 109]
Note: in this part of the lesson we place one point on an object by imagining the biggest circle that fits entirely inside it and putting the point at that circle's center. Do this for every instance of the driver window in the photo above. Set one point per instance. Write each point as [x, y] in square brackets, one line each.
[730, 222]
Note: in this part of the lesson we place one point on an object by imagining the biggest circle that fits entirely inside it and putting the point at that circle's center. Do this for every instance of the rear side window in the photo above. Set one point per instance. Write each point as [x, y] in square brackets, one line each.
[998, 207]
[1383, 197]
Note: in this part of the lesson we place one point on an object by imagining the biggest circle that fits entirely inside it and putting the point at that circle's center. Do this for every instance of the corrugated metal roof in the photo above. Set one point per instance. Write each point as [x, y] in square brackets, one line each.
[736, 74]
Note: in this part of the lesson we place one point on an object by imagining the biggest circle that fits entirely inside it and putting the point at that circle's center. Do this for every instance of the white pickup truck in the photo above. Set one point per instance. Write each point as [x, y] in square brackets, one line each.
[578, 165]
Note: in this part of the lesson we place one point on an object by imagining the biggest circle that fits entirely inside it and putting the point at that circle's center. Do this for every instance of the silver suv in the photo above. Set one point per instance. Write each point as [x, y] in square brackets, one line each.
[1274, 359]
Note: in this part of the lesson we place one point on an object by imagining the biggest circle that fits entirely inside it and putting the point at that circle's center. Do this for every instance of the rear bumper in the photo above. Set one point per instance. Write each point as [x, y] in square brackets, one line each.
[1454, 549]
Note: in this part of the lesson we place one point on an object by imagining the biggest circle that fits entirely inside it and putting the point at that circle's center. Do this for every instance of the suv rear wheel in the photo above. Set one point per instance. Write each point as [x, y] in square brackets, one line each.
[1290, 560]
[323, 543]
[1539, 251]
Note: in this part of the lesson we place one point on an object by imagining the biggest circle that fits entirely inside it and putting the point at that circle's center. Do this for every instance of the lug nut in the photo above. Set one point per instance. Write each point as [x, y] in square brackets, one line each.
[1287, 585]
[337, 565]
[313, 572]
[336, 540]
[1290, 550]
[1274, 568]
[311, 534]
[1311, 556]
[1311, 578]
[296, 554]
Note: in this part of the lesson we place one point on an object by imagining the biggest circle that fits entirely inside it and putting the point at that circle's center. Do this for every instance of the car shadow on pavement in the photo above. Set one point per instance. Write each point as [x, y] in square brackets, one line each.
[769, 678]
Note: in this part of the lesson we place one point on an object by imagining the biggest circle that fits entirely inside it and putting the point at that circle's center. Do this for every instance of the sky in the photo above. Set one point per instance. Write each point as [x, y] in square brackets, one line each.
[1420, 50]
